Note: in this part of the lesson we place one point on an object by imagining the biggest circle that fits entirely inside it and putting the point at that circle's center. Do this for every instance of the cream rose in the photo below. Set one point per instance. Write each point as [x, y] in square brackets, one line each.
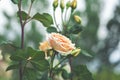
[44, 46]
[60, 43]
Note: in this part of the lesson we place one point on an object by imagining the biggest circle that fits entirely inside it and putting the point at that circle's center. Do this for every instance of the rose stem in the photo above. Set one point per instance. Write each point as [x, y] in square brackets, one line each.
[70, 62]
[60, 62]
[22, 38]
[22, 35]
[51, 65]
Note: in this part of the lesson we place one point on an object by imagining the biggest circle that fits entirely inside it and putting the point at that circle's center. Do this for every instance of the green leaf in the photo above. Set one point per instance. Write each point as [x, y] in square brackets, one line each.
[44, 18]
[80, 72]
[36, 55]
[40, 65]
[30, 51]
[85, 53]
[30, 74]
[49, 79]
[7, 47]
[13, 66]
[24, 15]
[44, 76]
[65, 74]
[40, 55]
[25, 54]
[19, 55]
[48, 17]
[51, 29]
[32, 1]
[15, 1]
[75, 29]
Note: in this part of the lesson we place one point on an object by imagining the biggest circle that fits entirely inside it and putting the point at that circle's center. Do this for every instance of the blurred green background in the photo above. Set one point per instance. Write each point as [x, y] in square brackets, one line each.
[100, 35]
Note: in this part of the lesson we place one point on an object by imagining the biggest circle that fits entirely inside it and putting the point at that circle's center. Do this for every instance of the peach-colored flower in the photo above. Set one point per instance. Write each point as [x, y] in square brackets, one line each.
[60, 43]
[44, 46]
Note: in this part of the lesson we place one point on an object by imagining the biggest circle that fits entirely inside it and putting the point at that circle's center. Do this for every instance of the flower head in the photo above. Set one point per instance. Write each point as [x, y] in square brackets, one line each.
[60, 43]
[44, 46]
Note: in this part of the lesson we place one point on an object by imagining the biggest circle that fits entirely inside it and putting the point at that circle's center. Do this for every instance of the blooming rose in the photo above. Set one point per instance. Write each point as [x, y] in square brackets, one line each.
[44, 46]
[60, 43]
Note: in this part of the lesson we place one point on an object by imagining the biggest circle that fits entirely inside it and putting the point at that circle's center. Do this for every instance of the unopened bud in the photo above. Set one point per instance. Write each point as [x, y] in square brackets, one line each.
[75, 52]
[50, 52]
[55, 4]
[74, 4]
[68, 4]
[62, 5]
[77, 19]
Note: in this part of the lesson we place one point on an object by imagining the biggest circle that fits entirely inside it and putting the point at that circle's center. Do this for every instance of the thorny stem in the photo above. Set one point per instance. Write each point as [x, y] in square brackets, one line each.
[51, 66]
[22, 39]
[28, 14]
[21, 23]
[60, 62]
[22, 35]
[25, 67]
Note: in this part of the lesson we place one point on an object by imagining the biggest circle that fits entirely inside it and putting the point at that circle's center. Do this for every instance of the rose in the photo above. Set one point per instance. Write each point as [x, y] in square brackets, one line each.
[44, 46]
[60, 43]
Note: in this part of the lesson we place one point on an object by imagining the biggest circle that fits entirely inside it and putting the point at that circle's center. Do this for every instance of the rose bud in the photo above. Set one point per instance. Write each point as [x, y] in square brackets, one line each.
[62, 5]
[74, 4]
[55, 4]
[77, 19]
[68, 4]
[75, 52]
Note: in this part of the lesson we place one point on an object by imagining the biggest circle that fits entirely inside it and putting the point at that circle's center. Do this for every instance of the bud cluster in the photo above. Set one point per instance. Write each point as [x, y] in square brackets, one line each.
[72, 4]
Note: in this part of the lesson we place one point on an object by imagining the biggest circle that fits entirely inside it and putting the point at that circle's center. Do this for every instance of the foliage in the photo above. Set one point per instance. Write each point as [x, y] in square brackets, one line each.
[32, 64]
[44, 18]
[106, 73]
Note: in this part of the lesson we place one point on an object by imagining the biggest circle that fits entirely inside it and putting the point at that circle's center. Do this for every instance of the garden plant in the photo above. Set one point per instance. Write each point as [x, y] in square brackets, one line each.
[53, 59]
